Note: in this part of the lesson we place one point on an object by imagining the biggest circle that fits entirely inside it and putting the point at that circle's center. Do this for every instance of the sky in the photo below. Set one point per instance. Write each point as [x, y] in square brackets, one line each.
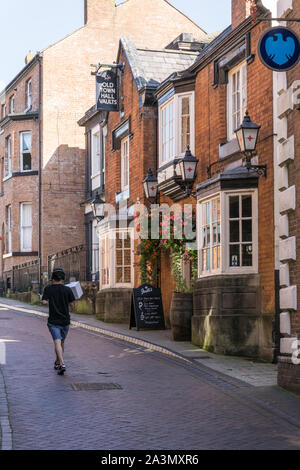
[37, 24]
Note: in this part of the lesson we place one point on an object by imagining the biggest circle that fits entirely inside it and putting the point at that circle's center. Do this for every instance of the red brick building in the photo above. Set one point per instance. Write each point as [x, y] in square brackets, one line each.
[41, 145]
[199, 105]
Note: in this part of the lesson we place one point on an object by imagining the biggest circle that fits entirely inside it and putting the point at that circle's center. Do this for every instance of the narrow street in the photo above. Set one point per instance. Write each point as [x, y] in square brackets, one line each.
[144, 400]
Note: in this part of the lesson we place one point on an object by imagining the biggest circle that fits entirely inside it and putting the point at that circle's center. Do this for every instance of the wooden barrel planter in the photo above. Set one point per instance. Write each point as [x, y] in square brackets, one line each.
[181, 316]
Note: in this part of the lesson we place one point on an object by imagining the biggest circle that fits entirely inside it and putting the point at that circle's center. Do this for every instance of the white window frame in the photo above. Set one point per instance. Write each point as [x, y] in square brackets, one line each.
[225, 232]
[241, 269]
[8, 157]
[95, 153]
[108, 238]
[22, 248]
[28, 93]
[231, 127]
[12, 104]
[95, 250]
[177, 126]
[201, 271]
[3, 111]
[9, 232]
[22, 152]
[125, 158]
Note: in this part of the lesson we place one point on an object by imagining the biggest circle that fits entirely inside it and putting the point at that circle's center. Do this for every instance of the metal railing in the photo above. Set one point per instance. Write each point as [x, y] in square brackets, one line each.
[25, 277]
[72, 261]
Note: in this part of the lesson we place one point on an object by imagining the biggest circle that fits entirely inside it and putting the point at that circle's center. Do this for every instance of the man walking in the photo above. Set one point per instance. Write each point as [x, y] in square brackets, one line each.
[59, 297]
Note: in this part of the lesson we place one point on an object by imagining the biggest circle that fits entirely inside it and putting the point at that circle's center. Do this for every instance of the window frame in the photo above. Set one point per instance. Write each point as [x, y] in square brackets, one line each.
[225, 268]
[201, 271]
[22, 151]
[9, 229]
[8, 157]
[96, 132]
[109, 238]
[12, 104]
[3, 111]
[229, 98]
[125, 167]
[177, 125]
[28, 101]
[22, 249]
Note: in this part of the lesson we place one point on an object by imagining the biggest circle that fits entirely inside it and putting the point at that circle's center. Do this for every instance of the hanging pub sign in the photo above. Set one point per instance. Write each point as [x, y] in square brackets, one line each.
[279, 49]
[107, 90]
[147, 309]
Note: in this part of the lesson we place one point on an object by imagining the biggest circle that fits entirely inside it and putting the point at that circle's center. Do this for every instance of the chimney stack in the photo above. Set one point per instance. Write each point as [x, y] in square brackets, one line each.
[95, 10]
[29, 57]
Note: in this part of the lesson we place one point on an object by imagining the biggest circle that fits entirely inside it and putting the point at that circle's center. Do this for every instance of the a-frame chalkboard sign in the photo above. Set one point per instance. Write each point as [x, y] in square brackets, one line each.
[147, 309]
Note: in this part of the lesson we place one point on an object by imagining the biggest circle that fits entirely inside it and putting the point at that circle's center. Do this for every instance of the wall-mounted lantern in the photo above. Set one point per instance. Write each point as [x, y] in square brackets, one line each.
[247, 137]
[150, 184]
[98, 206]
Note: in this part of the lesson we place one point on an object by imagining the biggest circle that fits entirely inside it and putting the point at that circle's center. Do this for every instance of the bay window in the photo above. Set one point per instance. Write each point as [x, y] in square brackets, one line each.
[227, 233]
[176, 126]
[167, 131]
[116, 259]
[236, 98]
[211, 234]
[25, 151]
[26, 226]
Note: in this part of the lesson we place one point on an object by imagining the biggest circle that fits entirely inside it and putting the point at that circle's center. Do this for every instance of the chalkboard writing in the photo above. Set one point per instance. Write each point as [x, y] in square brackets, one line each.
[108, 91]
[147, 309]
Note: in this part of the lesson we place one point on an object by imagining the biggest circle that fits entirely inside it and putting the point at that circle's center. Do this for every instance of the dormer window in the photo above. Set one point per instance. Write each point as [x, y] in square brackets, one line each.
[176, 127]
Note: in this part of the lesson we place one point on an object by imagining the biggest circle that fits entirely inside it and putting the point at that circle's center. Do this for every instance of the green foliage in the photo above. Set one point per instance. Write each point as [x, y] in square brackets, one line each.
[150, 250]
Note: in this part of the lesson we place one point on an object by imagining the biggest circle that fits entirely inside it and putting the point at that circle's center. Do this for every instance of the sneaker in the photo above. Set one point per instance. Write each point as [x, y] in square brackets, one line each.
[61, 369]
[56, 366]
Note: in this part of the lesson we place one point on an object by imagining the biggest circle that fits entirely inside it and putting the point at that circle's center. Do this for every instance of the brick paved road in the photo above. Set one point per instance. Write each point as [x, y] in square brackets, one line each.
[162, 404]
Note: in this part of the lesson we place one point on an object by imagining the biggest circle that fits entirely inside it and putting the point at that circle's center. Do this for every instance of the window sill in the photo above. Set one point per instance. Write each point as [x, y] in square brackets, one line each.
[228, 148]
[8, 255]
[122, 196]
[6, 178]
[229, 272]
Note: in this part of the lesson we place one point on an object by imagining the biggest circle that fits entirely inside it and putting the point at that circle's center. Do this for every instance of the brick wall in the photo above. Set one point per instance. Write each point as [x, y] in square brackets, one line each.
[24, 188]
[69, 90]
[240, 10]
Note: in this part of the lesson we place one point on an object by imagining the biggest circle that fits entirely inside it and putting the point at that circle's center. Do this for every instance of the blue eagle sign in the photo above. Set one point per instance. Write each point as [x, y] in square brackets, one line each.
[279, 49]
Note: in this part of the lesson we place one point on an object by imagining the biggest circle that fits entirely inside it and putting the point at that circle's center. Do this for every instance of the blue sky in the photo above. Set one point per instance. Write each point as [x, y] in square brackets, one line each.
[36, 24]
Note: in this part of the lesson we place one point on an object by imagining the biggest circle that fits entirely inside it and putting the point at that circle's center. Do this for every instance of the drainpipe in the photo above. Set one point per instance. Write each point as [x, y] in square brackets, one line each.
[40, 176]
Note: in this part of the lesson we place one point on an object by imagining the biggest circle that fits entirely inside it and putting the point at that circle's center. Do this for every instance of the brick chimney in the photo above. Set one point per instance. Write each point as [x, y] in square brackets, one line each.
[240, 10]
[94, 10]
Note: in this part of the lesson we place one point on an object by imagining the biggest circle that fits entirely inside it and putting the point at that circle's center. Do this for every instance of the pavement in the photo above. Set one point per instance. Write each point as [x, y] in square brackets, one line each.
[133, 390]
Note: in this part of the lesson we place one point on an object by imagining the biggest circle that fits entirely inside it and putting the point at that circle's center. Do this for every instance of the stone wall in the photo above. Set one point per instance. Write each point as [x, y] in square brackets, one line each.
[227, 317]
